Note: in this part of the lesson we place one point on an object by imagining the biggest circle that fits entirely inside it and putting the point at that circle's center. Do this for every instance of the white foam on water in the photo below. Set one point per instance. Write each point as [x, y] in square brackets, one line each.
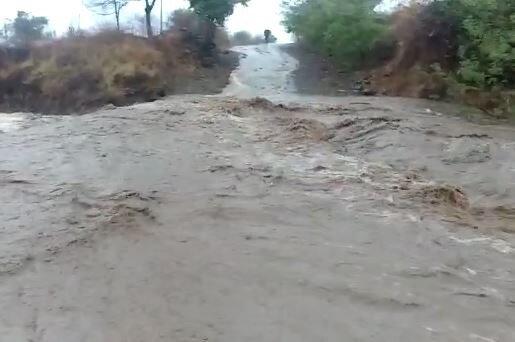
[11, 122]
[497, 244]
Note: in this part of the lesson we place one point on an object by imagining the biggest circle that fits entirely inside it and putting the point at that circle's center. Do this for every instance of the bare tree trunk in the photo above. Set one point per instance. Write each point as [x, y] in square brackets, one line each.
[161, 16]
[148, 19]
[118, 21]
[108, 7]
[149, 5]
[117, 10]
[209, 42]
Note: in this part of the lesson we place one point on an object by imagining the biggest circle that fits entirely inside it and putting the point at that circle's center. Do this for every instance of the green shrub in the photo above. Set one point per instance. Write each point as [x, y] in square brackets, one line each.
[487, 40]
[346, 30]
[242, 38]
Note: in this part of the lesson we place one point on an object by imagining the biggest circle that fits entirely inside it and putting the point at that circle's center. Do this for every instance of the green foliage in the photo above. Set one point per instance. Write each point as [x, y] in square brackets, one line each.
[26, 28]
[184, 19]
[245, 38]
[344, 29]
[487, 40]
[348, 30]
[241, 38]
[215, 10]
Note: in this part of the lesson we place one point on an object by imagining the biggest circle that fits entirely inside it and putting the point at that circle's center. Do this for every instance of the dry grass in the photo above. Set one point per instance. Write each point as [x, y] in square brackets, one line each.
[77, 74]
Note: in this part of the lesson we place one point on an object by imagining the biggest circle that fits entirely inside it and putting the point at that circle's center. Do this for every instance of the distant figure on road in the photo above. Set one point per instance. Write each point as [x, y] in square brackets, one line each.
[268, 35]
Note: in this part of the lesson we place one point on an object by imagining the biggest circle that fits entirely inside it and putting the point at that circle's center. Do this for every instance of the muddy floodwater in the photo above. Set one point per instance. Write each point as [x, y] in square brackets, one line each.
[257, 215]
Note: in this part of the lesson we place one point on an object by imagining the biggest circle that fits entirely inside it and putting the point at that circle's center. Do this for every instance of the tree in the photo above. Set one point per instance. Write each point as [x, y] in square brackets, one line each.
[26, 28]
[183, 19]
[343, 29]
[137, 24]
[241, 38]
[108, 7]
[215, 11]
[484, 32]
[149, 6]
[268, 34]
[4, 32]
[487, 41]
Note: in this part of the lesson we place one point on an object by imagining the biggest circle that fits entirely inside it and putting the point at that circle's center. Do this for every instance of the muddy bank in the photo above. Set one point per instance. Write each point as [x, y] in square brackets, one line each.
[78, 75]
[201, 80]
[208, 80]
[317, 75]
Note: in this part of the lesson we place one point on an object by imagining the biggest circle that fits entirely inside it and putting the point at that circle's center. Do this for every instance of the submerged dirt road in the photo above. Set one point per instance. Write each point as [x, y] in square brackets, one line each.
[229, 219]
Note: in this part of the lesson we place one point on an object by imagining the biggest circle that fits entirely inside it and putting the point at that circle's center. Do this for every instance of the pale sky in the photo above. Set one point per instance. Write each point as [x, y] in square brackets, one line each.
[258, 16]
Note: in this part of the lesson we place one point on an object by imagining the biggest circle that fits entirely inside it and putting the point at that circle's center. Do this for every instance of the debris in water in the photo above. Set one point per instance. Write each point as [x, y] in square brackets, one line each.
[174, 112]
[312, 129]
[445, 195]
[217, 168]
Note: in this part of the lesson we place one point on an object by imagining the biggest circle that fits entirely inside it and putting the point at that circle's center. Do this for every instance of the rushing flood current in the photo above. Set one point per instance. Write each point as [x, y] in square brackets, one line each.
[234, 218]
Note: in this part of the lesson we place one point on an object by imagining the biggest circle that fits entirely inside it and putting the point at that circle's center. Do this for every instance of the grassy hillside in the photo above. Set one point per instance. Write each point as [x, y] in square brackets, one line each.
[80, 73]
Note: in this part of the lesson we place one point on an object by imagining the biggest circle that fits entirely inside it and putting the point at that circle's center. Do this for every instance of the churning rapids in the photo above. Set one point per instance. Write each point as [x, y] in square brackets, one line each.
[257, 215]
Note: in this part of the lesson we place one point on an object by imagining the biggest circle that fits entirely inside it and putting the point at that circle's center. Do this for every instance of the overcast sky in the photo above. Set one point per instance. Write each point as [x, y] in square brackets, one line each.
[259, 15]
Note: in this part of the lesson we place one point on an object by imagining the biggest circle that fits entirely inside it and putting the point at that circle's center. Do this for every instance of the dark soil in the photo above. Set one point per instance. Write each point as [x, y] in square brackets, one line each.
[211, 79]
[84, 94]
[319, 76]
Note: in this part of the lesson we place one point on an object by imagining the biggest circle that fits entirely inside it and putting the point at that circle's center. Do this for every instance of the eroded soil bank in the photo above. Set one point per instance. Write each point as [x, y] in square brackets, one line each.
[77, 75]
[316, 75]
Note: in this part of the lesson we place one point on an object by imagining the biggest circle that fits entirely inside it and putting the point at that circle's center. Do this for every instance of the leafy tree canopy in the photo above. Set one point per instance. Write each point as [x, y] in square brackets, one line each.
[215, 10]
[26, 28]
[343, 29]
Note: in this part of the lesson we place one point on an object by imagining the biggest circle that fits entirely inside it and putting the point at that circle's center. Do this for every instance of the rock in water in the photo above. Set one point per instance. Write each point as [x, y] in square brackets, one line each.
[466, 150]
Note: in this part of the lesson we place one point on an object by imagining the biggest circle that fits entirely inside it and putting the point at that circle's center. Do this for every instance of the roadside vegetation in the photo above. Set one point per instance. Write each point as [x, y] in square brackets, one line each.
[84, 70]
[343, 29]
[243, 38]
[443, 49]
